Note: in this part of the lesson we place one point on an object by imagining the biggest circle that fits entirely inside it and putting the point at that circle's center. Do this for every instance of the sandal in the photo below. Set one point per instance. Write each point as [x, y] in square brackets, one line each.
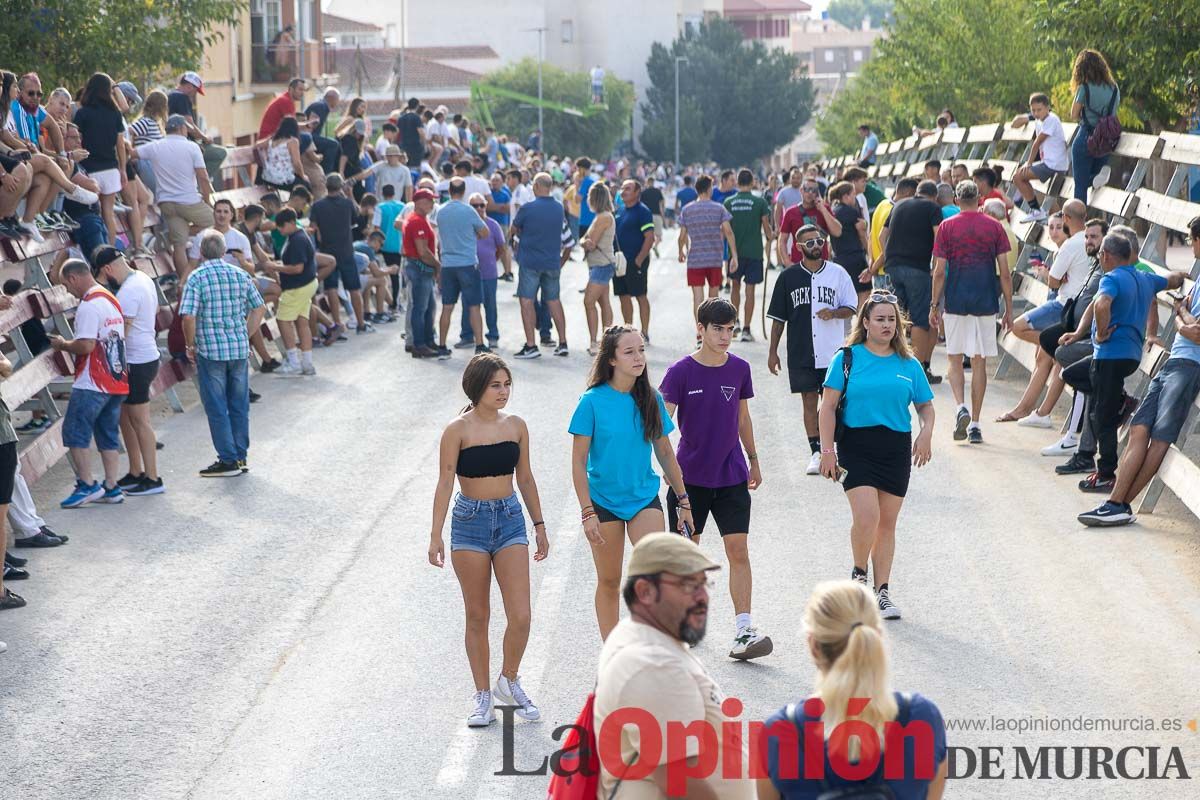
[1008, 417]
[11, 599]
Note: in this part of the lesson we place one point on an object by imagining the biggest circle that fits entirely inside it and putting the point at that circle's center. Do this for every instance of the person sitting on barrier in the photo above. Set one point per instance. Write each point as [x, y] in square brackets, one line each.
[28, 527]
[100, 387]
[1121, 313]
[15, 179]
[181, 101]
[1067, 277]
[1096, 95]
[1160, 417]
[1047, 155]
[139, 306]
[297, 273]
[375, 277]
[184, 190]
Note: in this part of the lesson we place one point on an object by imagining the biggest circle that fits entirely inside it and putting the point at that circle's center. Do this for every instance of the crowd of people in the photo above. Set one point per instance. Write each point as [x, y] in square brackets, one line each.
[374, 231]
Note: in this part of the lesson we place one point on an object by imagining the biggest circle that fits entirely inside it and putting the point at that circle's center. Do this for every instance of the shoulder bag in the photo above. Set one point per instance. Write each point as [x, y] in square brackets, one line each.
[1070, 319]
[847, 362]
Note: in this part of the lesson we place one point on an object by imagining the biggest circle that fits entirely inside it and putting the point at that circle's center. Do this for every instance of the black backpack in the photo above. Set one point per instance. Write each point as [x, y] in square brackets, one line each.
[859, 791]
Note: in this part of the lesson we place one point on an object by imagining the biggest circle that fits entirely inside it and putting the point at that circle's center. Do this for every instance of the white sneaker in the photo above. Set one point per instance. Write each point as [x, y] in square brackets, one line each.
[288, 369]
[1036, 420]
[1035, 216]
[1101, 179]
[309, 370]
[749, 643]
[84, 196]
[887, 609]
[1064, 446]
[33, 232]
[510, 693]
[3, 647]
[484, 713]
[814, 465]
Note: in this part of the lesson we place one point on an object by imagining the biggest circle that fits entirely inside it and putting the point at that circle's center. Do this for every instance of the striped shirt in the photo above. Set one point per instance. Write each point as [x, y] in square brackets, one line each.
[26, 126]
[220, 297]
[145, 130]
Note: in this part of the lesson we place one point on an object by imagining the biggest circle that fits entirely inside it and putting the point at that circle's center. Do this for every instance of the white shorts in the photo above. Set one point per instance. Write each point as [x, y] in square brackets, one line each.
[108, 179]
[971, 335]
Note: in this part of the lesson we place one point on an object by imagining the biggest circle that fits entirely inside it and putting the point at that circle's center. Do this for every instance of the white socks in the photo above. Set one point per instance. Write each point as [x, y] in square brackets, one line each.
[742, 621]
[306, 359]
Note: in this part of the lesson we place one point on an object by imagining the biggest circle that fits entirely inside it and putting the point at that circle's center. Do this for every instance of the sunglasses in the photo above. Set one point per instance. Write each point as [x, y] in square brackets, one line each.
[33, 93]
[883, 297]
[810, 190]
[813, 244]
[478, 205]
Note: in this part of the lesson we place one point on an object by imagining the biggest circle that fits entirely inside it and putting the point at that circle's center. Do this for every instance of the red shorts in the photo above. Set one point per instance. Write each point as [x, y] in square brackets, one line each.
[712, 275]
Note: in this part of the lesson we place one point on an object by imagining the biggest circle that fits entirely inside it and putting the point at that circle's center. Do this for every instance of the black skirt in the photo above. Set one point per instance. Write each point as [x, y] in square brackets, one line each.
[878, 457]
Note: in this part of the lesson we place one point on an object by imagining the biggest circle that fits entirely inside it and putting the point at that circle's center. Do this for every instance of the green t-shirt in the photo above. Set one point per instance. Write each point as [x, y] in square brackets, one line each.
[875, 196]
[748, 211]
[1100, 95]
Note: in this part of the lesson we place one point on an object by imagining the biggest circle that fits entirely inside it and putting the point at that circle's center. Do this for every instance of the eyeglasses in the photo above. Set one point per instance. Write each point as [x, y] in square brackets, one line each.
[478, 205]
[883, 297]
[689, 585]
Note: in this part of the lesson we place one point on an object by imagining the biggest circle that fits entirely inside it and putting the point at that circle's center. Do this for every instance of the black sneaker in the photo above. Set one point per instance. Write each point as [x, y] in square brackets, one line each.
[145, 487]
[961, 421]
[934, 380]
[974, 436]
[221, 469]
[242, 465]
[482, 348]
[1080, 464]
[1108, 515]
[443, 353]
[130, 480]
[547, 342]
[463, 344]
[39, 539]
[561, 350]
[34, 425]
[12, 573]
[11, 600]
[255, 396]
[507, 277]
[1097, 483]
[62, 537]
[528, 351]
[270, 366]
[14, 560]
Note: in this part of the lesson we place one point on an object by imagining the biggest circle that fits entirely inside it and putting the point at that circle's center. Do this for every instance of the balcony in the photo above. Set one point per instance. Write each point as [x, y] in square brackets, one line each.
[273, 65]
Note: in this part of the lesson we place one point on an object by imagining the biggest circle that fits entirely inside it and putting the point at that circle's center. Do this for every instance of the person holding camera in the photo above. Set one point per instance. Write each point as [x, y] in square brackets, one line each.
[869, 386]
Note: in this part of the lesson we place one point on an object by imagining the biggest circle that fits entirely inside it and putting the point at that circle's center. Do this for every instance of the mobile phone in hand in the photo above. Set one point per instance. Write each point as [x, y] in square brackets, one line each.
[841, 474]
[687, 530]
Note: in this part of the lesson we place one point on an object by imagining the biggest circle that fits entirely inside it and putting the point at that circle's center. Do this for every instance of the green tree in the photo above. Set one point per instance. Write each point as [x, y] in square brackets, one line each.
[68, 40]
[564, 132]
[852, 12]
[972, 56]
[1152, 47]
[750, 100]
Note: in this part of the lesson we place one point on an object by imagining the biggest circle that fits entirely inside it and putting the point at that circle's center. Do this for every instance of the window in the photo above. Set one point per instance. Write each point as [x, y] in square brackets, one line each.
[858, 55]
[828, 56]
[567, 30]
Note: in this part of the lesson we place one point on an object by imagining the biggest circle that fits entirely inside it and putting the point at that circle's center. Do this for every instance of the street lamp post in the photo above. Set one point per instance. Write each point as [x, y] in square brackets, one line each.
[541, 32]
[678, 59]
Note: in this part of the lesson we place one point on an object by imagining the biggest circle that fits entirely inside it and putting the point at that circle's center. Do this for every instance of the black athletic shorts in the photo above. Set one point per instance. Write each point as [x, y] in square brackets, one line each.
[8, 471]
[633, 283]
[140, 378]
[805, 380]
[393, 259]
[729, 506]
[9, 163]
[607, 516]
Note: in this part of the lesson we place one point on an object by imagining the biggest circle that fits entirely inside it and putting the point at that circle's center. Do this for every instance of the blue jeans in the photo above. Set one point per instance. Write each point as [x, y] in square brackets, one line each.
[489, 314]
[1083, 166]
[225, 393]
[420, 312]
[91, 233]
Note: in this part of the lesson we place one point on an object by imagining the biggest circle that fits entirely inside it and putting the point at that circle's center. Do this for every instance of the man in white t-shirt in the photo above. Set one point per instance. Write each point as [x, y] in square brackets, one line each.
[1068, 273]
[1048, 156]
[101, 384]
[183, 187]
[646, 664]
[139, 307]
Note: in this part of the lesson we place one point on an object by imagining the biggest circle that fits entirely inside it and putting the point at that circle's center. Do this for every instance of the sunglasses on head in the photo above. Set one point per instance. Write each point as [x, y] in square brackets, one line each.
[883, 297]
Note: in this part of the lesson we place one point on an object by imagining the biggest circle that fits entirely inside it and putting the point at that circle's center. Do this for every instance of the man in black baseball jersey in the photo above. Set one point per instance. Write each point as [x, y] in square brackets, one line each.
[812, 298]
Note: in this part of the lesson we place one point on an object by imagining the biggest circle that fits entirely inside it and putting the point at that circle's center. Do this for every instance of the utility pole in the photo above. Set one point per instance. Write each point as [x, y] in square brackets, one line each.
[541, 40]
[678, 59]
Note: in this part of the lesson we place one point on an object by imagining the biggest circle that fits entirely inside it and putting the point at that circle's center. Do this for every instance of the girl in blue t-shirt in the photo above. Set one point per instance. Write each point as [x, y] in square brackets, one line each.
[619, 421]
[876, 451]
[847, 645]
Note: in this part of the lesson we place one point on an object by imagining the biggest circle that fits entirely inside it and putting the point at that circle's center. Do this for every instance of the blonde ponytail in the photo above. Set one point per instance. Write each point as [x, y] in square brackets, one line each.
[843, 621]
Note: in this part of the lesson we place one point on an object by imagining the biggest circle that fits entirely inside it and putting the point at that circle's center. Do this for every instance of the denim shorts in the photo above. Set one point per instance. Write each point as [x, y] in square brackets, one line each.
[1047, 314]
[1168, 399]
[602, 274]
[486, 526]
[464, 281]
[1044, 171]
[90, 412]
[530, 280]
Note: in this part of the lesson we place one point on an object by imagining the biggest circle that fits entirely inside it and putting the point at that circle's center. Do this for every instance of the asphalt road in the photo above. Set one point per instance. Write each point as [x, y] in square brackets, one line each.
[282, 636]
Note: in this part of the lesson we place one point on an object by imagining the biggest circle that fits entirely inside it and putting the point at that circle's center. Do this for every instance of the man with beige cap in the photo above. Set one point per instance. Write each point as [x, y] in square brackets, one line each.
[646, 664]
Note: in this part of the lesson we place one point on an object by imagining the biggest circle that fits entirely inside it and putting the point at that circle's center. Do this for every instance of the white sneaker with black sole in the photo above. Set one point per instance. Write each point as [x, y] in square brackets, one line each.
[1063, 447]
[887, 609]
[748, 643]
[484, 713]
[510, 693]
[814, 465]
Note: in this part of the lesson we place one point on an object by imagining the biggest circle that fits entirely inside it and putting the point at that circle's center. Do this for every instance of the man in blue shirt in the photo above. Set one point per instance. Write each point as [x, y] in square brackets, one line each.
[687, 194]
[635, 238]
[1163, 411]
[499, 208]
[586, 215]
[1119, 317]
[866, 156]
[458, 228]
[538, 228]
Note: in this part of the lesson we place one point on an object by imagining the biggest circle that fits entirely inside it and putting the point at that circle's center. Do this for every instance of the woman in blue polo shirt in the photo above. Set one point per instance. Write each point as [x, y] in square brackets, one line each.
[876, 444]
[846, 640]
[619, 421]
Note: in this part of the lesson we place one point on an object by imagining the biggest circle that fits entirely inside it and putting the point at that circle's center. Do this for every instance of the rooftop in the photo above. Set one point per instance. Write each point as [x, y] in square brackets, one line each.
[379, 65]
[332, 23]
[754, 7]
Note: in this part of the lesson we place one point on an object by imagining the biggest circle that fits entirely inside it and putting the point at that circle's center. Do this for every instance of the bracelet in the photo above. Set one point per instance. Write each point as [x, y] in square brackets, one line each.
[752, 456]
[539, 522]
[830, 451]
[586, 517]
[679, 497]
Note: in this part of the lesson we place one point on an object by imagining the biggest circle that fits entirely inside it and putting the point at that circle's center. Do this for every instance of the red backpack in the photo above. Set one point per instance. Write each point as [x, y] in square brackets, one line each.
[1103, 138]
[579, 763]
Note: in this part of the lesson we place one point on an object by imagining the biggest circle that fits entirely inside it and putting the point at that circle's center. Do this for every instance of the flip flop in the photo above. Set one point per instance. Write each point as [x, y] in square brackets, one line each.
[1008, 417]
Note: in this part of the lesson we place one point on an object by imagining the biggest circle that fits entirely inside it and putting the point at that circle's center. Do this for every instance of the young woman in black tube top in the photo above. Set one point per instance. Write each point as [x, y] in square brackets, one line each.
[486, 448]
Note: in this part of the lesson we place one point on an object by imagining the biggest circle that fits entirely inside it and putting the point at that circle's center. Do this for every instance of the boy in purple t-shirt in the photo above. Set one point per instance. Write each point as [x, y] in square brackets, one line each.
[708, 392]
